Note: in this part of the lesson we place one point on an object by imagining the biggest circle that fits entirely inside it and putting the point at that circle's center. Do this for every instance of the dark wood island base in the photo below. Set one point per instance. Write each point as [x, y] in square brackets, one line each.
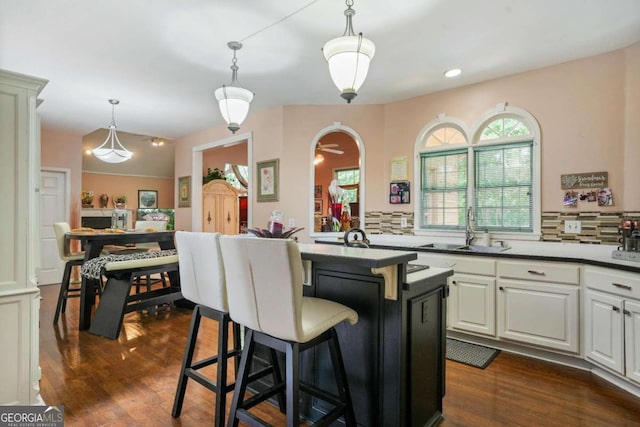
[395, 354]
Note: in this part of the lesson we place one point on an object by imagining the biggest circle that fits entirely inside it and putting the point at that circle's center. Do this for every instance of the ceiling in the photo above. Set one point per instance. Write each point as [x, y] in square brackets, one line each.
[163, 59]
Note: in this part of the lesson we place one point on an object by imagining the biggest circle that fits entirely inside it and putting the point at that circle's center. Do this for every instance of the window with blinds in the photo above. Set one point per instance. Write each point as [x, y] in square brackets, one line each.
[503, 187]
[444, 189]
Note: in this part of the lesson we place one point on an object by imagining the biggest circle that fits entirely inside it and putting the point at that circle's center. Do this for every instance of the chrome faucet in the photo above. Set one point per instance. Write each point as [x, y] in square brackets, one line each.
[468, 231]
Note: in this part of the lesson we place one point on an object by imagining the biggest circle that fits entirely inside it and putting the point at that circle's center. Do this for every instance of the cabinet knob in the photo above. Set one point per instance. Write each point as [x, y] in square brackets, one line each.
[209, 217]
[454, 282]
[614, 308]
[501, 288]
[626, 312]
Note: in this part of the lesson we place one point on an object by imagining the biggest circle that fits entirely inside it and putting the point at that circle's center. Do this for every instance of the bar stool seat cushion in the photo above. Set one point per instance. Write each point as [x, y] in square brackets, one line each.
[319, 315]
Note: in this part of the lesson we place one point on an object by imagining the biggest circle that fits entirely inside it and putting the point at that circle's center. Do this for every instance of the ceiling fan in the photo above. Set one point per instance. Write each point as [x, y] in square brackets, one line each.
[328, 149]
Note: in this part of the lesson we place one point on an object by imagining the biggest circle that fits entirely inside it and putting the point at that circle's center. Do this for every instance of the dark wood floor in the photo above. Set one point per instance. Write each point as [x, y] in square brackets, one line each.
[131, 381]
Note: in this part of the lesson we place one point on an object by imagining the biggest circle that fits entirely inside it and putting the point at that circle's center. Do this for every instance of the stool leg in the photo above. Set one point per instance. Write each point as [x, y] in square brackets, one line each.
[277, 379]
[62, 295]
[242, 378]
[221, 380]
[186, 361]
[293, 385]
[341, 378]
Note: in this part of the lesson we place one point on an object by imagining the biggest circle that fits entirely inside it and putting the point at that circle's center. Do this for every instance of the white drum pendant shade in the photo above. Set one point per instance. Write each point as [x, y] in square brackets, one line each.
[348, 58]
[234, 104]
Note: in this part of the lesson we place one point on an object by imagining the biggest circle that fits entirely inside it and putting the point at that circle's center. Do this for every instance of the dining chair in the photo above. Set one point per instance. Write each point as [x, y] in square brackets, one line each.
[71, 259]
[152, 246]
[202, 281]
[264, 290]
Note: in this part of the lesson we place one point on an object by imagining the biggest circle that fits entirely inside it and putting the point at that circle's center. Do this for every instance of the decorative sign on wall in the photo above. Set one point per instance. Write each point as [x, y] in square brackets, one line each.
[593, 187]
[584, 180]
[399, 168]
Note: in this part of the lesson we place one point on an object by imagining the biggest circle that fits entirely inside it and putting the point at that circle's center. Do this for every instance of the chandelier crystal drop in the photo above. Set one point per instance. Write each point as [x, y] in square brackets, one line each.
[112, 150]
[233, 100]
[348, 58]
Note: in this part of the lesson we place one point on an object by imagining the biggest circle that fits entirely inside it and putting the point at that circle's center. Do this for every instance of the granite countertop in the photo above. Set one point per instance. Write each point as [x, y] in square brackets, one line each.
[599, 255]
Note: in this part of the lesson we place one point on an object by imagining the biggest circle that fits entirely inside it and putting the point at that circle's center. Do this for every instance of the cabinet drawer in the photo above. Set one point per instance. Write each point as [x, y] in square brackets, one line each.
[540, 271]
[460, 264]
[613, 281]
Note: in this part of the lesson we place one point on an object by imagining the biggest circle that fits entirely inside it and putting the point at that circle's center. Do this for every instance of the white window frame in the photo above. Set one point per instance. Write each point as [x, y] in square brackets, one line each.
[473, 140]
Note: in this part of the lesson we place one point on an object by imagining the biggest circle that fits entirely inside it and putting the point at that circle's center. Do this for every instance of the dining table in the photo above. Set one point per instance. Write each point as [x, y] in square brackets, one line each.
[95, 241]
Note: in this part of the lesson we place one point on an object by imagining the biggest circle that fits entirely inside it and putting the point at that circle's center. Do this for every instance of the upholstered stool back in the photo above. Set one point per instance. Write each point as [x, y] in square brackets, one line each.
[201, 270]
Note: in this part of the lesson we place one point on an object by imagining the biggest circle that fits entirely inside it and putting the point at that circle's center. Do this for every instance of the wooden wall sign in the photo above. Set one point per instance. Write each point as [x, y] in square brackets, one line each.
[584, 180]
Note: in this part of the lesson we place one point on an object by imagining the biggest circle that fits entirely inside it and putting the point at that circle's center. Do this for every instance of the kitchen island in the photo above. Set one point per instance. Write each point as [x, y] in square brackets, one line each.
[395, 354]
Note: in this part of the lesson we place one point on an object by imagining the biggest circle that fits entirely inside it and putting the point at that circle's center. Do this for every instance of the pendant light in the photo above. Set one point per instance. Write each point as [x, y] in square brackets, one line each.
[108, 152]
[234, 100]
[349, 57]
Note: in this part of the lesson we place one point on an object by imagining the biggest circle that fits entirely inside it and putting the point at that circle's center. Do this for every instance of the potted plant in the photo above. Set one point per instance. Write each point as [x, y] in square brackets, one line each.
[212, 174]
[120, 201]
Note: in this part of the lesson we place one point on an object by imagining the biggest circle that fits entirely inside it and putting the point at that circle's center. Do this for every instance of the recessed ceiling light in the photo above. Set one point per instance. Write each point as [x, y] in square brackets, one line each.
[454, 72]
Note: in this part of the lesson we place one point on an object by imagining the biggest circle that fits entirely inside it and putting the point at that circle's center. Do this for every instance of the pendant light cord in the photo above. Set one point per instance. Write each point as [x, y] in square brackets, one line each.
[284, 18]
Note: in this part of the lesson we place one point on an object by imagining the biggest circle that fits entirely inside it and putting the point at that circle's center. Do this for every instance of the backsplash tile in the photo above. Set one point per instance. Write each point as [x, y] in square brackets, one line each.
[596, 227]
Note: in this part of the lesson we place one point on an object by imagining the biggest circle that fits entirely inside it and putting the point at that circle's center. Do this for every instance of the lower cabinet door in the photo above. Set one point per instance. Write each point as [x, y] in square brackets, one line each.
[632, 339]
[471, 304]
[543, 314]
[603, 330]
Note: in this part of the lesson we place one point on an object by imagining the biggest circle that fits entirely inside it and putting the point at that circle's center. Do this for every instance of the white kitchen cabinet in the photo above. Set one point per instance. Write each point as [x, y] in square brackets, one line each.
[471, 303]
[538, 303]
[612, 318]
[19, 246]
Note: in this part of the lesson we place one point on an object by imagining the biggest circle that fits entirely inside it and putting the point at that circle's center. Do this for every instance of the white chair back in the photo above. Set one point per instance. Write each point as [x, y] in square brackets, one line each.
[60, 229]
[264, 284]
[158, 225]
[202, 277]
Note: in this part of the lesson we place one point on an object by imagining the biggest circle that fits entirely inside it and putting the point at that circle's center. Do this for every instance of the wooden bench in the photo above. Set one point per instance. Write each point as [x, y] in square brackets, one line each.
[116, 299]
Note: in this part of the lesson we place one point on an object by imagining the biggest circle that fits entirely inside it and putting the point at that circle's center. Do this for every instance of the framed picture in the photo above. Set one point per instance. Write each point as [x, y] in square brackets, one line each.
[317, 191]
[147, 199]
[399, 192]
[317, 206]
[184, 192]
[267, 181]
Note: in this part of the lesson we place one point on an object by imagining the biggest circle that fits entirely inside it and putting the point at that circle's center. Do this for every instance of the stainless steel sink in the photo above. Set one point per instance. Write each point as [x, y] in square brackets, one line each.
[482, 248]
[465, 248]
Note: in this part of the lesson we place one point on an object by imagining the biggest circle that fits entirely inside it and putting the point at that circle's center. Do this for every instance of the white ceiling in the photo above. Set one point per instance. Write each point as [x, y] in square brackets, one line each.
[163, 59]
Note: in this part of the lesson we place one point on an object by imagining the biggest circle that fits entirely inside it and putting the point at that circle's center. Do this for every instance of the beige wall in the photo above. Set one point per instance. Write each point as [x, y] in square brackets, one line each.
[218, 157]
[59, 149]
[587, 111]
[129, 186]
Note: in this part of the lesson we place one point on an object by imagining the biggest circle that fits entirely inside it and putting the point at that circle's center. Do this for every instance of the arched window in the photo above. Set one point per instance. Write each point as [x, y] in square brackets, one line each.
[496, 173]
[444, 175]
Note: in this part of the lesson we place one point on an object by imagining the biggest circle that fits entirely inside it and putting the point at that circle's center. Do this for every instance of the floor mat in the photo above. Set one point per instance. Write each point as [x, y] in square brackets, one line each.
[470, 354]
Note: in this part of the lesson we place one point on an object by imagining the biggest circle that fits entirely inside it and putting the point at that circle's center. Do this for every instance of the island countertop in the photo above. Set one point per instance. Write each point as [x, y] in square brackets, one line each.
[362, 257]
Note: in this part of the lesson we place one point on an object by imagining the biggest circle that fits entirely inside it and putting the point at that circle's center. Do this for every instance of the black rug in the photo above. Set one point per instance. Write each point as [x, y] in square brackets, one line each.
[471, 354]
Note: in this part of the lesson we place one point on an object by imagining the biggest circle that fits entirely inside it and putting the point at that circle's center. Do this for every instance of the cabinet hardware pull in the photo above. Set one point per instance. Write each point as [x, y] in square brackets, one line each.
[614, 308]
[454, 282]
[209, 217]
[536, 272]
[627, 312]
[621, 286]
[501, 288]
[228, 217]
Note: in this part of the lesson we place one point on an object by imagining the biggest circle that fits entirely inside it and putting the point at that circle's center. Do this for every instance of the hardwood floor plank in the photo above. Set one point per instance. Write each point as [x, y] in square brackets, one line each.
[131, 381]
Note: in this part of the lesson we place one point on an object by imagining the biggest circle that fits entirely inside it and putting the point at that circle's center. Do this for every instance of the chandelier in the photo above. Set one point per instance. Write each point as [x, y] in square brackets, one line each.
[234, 100]
[348, 58]
[112, 150]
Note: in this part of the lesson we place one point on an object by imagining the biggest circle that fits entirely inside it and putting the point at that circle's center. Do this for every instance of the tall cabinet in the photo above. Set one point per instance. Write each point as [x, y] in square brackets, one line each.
[220, 207]
[19, 245]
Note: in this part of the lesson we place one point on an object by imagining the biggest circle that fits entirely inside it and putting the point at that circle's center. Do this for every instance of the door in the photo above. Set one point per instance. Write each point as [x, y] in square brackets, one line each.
[604, 325]
[53, 208]
[544, 314]
[471, 304]
[632, 339]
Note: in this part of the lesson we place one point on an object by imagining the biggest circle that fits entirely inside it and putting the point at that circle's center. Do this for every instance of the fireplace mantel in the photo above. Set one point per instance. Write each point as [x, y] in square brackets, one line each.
[84, 212]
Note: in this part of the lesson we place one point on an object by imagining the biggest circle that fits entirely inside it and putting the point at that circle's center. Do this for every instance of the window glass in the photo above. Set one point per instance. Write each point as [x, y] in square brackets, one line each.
[349, 180]
[444, 189]
[445, 136]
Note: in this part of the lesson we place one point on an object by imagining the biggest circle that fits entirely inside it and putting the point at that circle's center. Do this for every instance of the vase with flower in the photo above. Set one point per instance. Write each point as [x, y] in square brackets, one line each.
[119, 202]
